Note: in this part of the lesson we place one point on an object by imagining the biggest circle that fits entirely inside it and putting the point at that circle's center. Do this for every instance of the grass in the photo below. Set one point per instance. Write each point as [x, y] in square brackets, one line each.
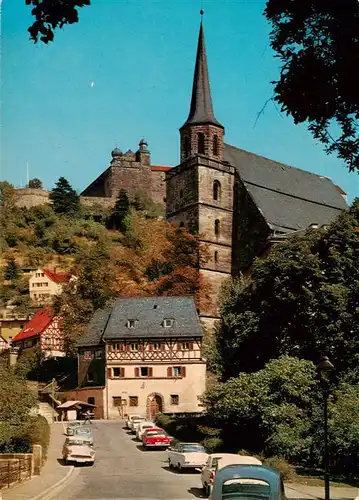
[311, 477]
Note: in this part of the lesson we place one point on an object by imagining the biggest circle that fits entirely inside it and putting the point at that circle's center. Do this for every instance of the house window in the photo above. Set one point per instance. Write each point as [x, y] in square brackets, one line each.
[168, 322]
[174, 399]
[134, 346]
[215, 145]
[91, 400]
[186, 147]
[118, 372]
[200, 145]
[116, 400]
[143, 371]
[217, 227]
[179, 371]
[216, 256]
[156, 346]
[216, 190]
[133, 400]
[182, 224]
[88, 355]
[98, 354]
[131, 323]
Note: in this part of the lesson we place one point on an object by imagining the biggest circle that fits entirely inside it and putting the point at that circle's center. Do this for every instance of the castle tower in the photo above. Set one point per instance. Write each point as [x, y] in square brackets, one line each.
[199, 192]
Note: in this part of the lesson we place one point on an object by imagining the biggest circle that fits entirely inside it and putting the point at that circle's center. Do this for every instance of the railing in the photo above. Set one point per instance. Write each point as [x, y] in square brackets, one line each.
[14, 468]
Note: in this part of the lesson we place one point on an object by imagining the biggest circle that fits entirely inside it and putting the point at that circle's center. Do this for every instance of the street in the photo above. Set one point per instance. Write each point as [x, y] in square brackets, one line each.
[123, 471]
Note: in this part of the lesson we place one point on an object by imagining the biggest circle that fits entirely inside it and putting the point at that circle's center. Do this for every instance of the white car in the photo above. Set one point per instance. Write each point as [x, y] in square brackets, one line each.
[217, 461]
[142, 426]
[130, 418]
[134, 422]
[78, 450]
[187, 456]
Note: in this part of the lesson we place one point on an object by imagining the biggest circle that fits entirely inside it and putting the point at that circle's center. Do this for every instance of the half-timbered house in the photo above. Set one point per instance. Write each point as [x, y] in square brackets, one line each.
[43, 331]
[144, 355]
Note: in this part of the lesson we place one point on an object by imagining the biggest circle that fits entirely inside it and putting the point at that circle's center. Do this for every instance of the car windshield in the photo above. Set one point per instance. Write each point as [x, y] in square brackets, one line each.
[245, 489]
[189, 448]
[78, 442]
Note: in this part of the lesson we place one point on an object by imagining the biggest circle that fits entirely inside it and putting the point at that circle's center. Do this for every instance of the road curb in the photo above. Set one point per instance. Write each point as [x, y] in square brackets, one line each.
[44, 494]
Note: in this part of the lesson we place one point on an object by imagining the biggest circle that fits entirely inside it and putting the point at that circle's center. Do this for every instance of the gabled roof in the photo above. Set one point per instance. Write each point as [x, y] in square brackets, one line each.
[149, 314]
[201, 111]
[57, 277]
[288, 198]
[37, 324]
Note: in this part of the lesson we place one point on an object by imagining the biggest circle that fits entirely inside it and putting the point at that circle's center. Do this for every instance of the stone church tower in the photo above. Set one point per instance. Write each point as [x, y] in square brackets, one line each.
[199, 193]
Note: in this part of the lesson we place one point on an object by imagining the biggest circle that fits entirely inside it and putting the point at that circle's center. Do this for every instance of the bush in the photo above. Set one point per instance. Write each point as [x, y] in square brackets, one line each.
[213, 444]
[281, 465]
[209, 431]
[38, 432]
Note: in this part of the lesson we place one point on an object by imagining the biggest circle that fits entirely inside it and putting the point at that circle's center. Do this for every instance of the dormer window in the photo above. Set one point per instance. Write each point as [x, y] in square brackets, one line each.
[168, 322]
[131, 323]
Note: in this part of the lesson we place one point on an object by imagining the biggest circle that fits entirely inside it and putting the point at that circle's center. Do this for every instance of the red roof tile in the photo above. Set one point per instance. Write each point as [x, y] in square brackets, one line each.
[160, 168]
[57, 277]
[37, 324]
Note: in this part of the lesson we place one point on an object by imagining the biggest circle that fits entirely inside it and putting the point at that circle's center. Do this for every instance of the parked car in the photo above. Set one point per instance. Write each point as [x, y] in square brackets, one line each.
[187, 456]
[238, 482]
[155, 438]
[78, 450]
[71, 426]
[131, 417]
[134, 422]
[218, 460]
[80, 432]
[141, 427]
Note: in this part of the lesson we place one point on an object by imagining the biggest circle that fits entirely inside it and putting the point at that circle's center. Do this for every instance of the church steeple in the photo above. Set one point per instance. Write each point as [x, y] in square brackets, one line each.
[201, 111]
[201, 134]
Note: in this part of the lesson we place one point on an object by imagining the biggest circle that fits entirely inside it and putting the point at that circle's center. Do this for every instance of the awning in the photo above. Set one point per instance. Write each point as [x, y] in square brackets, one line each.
[75, 405]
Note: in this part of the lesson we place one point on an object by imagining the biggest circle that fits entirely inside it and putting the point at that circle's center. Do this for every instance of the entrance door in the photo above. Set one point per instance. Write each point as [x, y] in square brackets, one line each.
[155, 405]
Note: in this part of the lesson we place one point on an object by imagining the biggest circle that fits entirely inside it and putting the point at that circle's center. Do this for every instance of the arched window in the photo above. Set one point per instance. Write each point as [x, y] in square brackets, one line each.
[186, 147]
[215, 145]
[216, 256]
[217, 227]
[181, 193]
[182, 224]
[200, 147]
[216, 190]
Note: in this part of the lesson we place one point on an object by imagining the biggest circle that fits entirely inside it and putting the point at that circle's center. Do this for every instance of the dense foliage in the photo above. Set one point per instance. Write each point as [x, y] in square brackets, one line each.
[64, 198]
[52, 14]
[35, 183]
[318, 45]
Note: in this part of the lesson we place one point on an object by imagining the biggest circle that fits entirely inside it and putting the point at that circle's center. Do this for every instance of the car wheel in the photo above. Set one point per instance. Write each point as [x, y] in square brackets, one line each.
[170, 464]
[64, 460]
[179, 467]
[208, 490]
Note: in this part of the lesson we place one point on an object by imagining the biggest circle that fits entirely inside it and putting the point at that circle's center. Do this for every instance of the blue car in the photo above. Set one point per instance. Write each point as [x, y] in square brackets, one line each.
[248, 482]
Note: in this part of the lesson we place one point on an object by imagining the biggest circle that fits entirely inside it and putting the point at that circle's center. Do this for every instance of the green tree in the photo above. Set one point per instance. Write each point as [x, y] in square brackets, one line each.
[35, 183]
[52, 14]
[64, 198]
[301, 300]
[7, 195]
[120, 211]
[318, 45]
[12, 270]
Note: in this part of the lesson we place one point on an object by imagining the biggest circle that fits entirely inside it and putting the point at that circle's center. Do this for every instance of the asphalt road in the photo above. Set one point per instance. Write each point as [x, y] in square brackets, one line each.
[122, 471]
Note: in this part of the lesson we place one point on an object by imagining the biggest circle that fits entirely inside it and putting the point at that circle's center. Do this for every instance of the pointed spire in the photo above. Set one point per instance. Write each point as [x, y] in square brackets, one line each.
[201, 111]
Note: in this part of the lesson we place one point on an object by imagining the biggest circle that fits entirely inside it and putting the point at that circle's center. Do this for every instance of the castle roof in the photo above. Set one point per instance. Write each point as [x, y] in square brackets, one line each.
[288, 198]
[37, 324]
[149, 314]
[160, 168]
[201, 111]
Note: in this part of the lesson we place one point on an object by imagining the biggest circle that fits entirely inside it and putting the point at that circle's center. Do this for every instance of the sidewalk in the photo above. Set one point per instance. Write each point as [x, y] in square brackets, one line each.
[302, 491]
[51, 473]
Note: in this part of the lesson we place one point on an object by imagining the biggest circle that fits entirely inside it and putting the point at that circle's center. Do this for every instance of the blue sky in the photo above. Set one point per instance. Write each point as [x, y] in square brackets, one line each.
[140, 55]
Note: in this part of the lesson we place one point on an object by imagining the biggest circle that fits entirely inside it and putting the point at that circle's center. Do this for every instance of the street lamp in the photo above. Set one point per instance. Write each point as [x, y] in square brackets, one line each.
[324, 368]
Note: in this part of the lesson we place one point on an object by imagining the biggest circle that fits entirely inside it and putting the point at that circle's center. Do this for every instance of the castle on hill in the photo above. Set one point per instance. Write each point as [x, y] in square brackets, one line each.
[239, 202]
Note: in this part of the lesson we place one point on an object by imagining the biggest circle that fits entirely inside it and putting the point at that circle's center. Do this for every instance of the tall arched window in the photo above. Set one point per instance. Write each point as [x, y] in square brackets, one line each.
[182, 224]
[215, 145]
[217, 227]
[216, 190]
[186, 147]
[200, 148]
[216, 256]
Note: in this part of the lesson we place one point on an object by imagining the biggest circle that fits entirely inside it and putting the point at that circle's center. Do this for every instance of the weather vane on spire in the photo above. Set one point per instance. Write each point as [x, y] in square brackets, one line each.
[201, 11]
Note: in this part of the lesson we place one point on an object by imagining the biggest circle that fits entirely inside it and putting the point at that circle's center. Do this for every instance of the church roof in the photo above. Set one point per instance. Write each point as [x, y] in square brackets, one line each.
[201, 111]
[288, 198]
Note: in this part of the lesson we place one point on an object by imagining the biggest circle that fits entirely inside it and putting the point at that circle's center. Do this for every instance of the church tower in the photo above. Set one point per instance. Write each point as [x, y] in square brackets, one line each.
[199, 191]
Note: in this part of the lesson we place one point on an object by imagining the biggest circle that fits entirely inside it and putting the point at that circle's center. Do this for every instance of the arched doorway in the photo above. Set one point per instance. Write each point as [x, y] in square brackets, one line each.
[154, 405]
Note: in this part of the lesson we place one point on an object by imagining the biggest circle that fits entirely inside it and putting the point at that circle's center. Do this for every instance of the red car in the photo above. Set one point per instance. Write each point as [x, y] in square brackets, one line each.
[155, 438]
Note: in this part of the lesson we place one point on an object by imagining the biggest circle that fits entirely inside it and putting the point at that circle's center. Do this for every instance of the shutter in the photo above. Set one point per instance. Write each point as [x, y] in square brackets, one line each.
[122, 347]
[142, 347]
[127, 347]
[137, 372]
[163, 347]
[150, 372]
[191, 346]
[179, 347]
[169, 371]
[183, 371]
[122, 372]
[150, 347]
[108, 372]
